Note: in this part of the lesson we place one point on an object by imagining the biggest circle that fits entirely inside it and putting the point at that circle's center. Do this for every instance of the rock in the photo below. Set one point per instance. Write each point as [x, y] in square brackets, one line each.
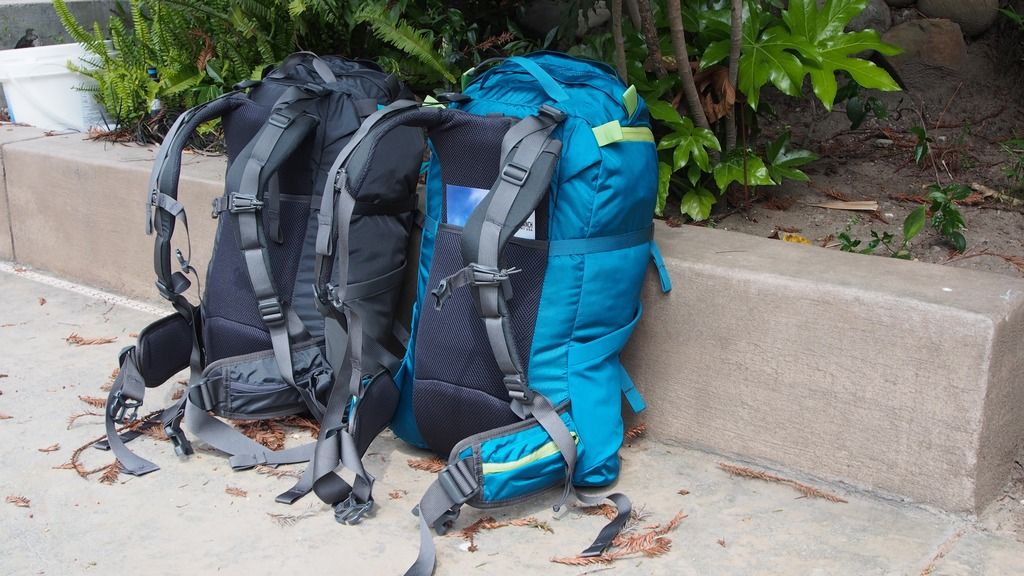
[876, 16]
[540, 16]
[973, 16]
[930, 41]
[900, 3]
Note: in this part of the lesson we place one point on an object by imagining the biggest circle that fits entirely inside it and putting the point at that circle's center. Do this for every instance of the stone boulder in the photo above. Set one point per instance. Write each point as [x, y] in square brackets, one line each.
[930, 41]
[973, 16]
[876, 16]
[900, 3]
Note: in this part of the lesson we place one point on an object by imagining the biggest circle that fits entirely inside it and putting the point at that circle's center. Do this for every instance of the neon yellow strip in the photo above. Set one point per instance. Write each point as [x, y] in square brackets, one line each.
[629, 98]
[549, 449]
[431, 101]
[612, 132]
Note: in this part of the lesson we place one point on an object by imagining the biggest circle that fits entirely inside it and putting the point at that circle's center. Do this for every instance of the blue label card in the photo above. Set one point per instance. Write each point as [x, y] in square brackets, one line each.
[462, 200]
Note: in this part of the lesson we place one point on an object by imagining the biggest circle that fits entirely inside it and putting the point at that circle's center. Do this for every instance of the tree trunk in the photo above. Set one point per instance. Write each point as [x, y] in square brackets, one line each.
[734, 68]
[651, 38]
[634, 14]
[620, 44]
[675, 23]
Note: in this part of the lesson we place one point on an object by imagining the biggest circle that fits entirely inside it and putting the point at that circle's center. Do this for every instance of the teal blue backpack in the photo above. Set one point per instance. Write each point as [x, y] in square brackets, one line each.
[536, 238]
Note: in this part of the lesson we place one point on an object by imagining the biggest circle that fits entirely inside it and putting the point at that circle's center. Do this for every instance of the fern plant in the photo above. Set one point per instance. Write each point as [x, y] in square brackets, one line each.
[395, 31]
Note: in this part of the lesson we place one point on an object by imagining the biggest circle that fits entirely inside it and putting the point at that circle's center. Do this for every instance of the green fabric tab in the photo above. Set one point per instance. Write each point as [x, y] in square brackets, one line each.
[613, 132]
[608, 133]
[629, 98]
[431, 101]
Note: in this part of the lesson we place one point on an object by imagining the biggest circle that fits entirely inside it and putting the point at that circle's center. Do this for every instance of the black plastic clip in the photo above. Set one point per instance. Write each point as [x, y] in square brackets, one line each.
[122, 406]
[351, 512]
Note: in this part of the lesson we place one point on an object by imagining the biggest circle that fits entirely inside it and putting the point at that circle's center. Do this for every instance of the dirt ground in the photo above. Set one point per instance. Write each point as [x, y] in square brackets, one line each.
[968, 113]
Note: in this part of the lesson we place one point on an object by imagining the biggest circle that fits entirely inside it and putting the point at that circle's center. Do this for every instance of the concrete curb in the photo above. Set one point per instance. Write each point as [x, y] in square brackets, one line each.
[899, 378]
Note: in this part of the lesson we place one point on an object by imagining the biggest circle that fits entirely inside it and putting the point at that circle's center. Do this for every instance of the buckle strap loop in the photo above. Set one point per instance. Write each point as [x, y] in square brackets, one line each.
[238, 202]
[459, 482]
[474, 275]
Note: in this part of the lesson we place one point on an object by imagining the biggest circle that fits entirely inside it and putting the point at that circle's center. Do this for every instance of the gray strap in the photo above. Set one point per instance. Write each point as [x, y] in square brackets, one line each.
[279, 319]
[456, 484]
[128, 385]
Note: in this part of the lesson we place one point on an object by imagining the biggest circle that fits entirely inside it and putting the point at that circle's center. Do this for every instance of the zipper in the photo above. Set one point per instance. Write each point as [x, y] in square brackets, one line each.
[246, 388]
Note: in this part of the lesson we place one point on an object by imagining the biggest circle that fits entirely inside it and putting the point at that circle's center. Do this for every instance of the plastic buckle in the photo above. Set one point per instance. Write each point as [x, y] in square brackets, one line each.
[518, 390]
[182, 447]
[238, 202]
[217, 209]
[459, 482]
[271, 311]
[484, 276]
[279, 120]
[350, 512]
[121, 406]
[340, 180]
[551, 112]
[514, 173]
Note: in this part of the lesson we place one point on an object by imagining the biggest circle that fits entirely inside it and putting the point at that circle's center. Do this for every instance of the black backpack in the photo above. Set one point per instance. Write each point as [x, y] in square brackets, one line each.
[271, 336]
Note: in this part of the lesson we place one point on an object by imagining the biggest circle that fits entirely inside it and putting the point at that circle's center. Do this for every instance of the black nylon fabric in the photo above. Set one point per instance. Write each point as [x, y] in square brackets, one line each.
[232, 321]
[453, 351]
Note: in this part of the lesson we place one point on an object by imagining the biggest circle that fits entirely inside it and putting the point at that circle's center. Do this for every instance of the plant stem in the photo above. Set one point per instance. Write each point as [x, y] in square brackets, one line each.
[736, 45]
[620, 44]
[654, 59]
[675, 22]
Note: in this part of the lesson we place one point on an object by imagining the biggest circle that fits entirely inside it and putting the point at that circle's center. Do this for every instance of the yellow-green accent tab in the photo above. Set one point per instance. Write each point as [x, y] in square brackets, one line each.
[549, 449]
[629, 99]
[613, 132]
[431, 101]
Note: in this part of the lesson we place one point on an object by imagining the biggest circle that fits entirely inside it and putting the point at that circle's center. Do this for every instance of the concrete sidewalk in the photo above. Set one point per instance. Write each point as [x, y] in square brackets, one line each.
[180, 520]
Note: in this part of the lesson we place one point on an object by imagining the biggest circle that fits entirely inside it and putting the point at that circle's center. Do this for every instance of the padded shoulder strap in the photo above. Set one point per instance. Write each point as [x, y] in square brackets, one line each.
[163, 186]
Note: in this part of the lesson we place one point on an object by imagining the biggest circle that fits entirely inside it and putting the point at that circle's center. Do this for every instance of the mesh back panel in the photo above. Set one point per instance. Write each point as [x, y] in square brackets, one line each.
[455, 368]
[446, 414]
[469, 149]
[229, 307]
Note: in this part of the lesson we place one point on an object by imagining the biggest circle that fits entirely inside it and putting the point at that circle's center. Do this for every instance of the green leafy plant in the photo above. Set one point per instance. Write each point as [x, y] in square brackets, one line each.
[860, 107]
[899, 248]
[945, 216]
[922, 148]
[1014, 167]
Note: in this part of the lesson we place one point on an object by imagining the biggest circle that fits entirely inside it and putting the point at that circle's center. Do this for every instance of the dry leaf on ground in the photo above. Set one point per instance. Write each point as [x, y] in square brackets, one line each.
[635, 431]
[429, 464]
[650, 542]
[857, 206]
[94, 401]
[19, 501]
[110, 473]
[761, 475]
[77, 340]
[237, 492]
[683, 492]
[50, 448]
[397, 494]
[5, 416]
[42, 301]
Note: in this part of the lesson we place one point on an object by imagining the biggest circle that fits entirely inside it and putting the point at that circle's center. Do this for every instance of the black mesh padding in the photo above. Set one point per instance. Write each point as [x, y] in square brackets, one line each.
[242, 124]
[458, 389]
[227, 338]
[374, 411]
[451, 343]
[447, 414]
[469, 149]
[164, 348]
[229, 293]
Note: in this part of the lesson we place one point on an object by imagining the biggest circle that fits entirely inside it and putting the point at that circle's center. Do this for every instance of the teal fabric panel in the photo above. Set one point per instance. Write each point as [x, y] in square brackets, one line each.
[528, 473]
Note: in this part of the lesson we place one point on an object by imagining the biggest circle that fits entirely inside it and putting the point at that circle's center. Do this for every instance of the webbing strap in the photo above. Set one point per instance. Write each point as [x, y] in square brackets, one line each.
[529, 156]
[279, 136]
[579, 246]
[128, 385]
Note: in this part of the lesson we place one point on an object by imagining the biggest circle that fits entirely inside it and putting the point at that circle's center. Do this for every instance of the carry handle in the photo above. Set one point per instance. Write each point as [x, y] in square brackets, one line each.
[550, 86]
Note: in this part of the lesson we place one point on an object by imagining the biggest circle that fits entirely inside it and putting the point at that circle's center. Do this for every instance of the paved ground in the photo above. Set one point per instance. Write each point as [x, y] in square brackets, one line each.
[180, 520]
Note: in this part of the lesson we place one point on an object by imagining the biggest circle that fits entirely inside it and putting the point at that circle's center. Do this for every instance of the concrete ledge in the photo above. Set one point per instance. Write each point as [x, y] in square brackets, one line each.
[77, 210]
[10, 133]
[901, 378]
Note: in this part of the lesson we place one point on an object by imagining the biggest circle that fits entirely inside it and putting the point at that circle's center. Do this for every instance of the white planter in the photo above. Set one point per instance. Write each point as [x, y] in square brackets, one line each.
[41, 91]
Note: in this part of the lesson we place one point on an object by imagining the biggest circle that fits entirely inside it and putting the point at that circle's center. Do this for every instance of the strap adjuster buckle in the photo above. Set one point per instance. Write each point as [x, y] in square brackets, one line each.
[518, 390]
[459, 482]
[239, 202]
[121, 406]
[351, 512]
[279, 120]
[182, 447]
[514, 173]
[551, 112]
[271, 311]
